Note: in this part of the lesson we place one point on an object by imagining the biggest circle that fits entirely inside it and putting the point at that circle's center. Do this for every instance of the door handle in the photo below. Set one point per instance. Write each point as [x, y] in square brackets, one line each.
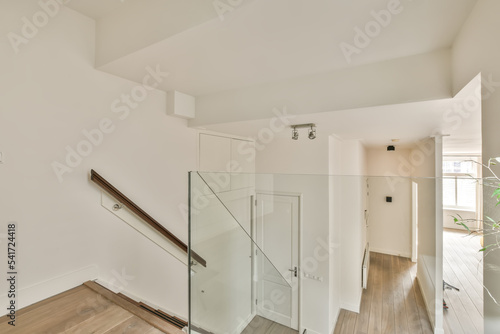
[294, 271]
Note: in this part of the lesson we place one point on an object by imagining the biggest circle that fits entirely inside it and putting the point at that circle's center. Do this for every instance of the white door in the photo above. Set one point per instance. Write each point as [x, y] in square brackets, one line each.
[278, 272]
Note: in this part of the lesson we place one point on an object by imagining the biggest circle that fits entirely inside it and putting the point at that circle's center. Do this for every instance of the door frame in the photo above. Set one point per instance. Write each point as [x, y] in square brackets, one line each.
[414, 221]
[299, 197]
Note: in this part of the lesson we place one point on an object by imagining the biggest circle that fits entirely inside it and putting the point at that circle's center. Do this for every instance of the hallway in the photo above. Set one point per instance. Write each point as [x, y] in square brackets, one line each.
[392, 303]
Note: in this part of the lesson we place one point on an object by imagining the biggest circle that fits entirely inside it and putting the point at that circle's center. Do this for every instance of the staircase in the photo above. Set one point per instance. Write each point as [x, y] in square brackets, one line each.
[91, 308]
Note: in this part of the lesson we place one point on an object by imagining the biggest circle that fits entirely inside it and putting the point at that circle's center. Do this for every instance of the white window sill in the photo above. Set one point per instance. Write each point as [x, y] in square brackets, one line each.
[459, 209]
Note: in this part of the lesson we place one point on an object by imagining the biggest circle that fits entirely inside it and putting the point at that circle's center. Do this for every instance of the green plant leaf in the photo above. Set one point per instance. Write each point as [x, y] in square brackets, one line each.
[490, 219]
[485, 248]
[464, 225]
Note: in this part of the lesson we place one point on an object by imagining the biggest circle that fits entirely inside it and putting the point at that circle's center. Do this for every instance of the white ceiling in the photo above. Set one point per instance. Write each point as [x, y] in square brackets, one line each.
[377, 126]
[271, 40]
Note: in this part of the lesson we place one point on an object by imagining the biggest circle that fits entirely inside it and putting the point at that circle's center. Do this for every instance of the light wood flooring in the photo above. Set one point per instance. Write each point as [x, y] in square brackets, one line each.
[392, 303]
[80, 310]
[463, 268]
[261, 325]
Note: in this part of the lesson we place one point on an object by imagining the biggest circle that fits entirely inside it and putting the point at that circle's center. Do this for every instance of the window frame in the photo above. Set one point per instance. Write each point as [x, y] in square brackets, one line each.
[458, 176]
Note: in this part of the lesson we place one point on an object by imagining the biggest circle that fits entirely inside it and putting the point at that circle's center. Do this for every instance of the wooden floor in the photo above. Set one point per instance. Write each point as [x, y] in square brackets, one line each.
[463, 268]
[261, 325]
[79, 310]
[392, 303]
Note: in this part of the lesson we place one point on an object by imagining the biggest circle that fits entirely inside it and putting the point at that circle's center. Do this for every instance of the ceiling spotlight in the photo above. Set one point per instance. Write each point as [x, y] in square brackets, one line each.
[391, 148]
[295, 131]
[312, 133]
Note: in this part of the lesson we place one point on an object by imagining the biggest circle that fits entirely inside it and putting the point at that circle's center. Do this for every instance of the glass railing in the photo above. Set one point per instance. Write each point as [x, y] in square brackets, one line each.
[289, 250]
[239, 281]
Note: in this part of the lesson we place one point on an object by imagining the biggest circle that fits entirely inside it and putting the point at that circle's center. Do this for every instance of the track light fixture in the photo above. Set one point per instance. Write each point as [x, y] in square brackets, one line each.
[312, 133]
[312, 130]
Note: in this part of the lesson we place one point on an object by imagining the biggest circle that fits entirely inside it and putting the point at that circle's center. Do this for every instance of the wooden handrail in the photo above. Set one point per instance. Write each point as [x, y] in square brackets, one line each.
[110, 189]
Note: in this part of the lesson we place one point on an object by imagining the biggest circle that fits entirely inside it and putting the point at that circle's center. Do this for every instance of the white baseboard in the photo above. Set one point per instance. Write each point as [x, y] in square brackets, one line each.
[390, 252]
[37, 292]
[426, 303]
[352, 307]
[245, 324]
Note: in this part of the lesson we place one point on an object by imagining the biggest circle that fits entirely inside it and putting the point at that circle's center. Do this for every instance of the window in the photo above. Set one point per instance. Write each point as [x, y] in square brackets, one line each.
[459, 183]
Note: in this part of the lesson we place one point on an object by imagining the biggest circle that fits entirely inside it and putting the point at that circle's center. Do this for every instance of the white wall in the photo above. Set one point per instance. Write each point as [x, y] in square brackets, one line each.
[50, 94]
[430, 235]
[388, 163]
[349, 202]
[287, 156]
[335, 154]
[476, 50]
[389, 223]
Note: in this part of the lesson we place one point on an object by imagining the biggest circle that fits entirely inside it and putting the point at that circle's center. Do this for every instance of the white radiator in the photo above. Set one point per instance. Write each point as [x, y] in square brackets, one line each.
[366, 266]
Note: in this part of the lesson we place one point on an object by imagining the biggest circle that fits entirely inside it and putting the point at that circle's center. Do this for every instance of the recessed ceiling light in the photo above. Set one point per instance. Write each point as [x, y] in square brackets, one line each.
[394, 140]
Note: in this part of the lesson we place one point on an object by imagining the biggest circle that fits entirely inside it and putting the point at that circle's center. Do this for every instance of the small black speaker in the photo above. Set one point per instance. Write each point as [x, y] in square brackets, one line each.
[388, 199]
[391, 148]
